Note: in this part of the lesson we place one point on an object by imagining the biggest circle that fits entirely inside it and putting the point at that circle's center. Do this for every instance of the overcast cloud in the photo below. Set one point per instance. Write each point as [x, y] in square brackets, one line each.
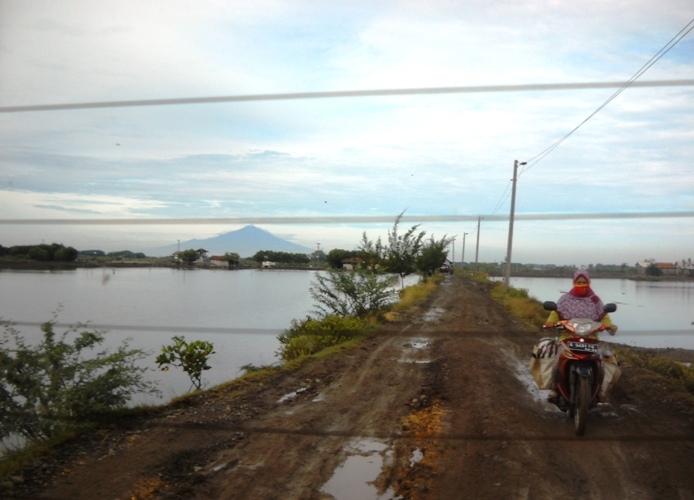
[439, 154]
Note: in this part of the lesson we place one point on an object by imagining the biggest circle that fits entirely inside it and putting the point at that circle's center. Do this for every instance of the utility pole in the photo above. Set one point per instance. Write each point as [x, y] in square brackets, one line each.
[507, 271]
[477, 248]
[462, 260]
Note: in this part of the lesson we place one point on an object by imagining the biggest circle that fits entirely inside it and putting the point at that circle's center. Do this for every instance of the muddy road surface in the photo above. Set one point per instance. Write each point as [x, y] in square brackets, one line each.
[438, 405]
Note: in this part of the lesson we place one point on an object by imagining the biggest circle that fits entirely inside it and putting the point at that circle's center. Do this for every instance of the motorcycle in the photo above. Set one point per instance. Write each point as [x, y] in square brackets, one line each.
[580, 366]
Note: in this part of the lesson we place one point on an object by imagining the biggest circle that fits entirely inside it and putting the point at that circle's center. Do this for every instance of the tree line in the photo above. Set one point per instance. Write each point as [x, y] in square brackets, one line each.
[280, 257]
[121, 254]
[42, 253]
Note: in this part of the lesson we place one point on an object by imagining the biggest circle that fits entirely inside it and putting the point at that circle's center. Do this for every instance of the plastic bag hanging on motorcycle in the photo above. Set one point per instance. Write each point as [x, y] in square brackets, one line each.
[543, 360]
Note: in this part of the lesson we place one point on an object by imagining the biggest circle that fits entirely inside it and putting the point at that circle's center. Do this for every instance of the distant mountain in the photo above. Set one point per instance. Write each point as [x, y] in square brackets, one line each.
[245, 242]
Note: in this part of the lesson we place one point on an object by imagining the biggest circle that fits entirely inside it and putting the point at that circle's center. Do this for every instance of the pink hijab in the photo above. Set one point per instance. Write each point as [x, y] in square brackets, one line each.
[573, 305]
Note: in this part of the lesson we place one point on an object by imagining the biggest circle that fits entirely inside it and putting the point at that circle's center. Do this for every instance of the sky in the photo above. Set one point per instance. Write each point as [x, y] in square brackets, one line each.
[322, 171]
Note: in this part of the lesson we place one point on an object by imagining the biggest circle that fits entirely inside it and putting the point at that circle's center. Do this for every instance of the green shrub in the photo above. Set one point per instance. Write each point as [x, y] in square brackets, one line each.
[310, 336]
[351, 293]
[191, 357]
[51, 388]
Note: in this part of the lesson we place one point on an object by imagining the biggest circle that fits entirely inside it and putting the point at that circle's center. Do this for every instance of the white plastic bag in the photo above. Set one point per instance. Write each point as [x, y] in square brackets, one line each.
[542, 362]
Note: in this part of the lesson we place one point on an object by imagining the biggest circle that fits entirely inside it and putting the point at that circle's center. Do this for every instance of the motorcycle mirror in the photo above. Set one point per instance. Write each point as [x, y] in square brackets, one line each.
[551, 306]
[610, 308]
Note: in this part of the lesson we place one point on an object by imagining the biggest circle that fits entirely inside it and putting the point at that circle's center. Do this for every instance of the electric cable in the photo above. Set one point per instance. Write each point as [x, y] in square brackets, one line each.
[629, 83]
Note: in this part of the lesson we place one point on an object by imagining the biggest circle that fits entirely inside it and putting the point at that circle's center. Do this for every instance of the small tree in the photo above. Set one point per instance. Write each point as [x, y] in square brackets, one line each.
[192, 358]
[372, 253]
[188, 256]
[351, 293]
[403, 250]
[653, 270]
[53, 386]
[337, 255]
[232, 257]
[433, 255]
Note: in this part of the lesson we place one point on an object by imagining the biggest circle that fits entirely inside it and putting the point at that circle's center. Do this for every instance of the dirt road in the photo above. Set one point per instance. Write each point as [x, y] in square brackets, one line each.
[439, 405]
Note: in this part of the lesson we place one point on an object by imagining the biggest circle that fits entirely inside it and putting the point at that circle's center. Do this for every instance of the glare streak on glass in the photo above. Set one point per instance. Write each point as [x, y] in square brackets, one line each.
[341, 94]
[453, 436]
[347, 219]
[270, 331]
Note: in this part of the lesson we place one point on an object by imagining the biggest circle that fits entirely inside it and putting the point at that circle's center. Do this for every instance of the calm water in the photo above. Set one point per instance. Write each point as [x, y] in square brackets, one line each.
[649, 314]
[254, 306]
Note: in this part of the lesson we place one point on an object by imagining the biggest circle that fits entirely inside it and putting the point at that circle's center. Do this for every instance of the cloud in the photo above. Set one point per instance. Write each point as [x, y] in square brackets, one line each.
[431, 154]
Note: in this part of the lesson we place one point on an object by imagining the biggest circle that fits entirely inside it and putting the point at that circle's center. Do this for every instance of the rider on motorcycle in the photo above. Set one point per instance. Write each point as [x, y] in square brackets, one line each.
[580, 302]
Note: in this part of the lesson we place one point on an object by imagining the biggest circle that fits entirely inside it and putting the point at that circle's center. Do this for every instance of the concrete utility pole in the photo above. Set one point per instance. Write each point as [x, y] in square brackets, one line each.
[462, 260]
[507, 271]
[477, 248]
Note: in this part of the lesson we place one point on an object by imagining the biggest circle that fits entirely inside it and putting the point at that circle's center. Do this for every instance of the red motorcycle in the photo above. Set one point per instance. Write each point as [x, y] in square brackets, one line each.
[580, 366]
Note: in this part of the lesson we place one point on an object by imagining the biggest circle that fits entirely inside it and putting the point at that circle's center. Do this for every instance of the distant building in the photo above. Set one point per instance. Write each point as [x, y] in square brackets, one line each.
[203, 258]
[685, 267]
[666, 268]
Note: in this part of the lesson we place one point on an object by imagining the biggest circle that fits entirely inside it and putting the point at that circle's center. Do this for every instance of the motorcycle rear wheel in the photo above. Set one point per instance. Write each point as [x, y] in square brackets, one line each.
[582, 406]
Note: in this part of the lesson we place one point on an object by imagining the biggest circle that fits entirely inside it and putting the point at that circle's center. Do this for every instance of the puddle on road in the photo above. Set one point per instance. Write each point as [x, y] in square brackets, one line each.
[291, 395]
[417, 456]
[522, 373]
[433, 314]
[413, 351]
[419, 344]
[353, 479]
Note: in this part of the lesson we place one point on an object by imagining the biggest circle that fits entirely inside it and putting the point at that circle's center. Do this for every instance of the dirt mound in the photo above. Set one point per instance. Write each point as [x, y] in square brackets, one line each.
[438, 405]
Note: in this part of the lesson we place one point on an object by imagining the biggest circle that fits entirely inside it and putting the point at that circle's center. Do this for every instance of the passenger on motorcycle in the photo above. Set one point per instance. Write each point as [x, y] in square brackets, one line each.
[580, 302]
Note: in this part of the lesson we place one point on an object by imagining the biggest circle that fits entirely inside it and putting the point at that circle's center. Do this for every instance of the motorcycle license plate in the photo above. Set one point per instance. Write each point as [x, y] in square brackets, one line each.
[583, 347]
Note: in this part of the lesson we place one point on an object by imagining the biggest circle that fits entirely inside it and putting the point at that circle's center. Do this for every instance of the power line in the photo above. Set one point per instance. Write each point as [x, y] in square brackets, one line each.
[502, 199]
[341, 94]
[629, 83]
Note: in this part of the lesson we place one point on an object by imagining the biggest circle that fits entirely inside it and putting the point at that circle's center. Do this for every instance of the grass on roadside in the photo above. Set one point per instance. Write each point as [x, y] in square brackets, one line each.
[520, 305]
[414, 294]
[669, 369]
